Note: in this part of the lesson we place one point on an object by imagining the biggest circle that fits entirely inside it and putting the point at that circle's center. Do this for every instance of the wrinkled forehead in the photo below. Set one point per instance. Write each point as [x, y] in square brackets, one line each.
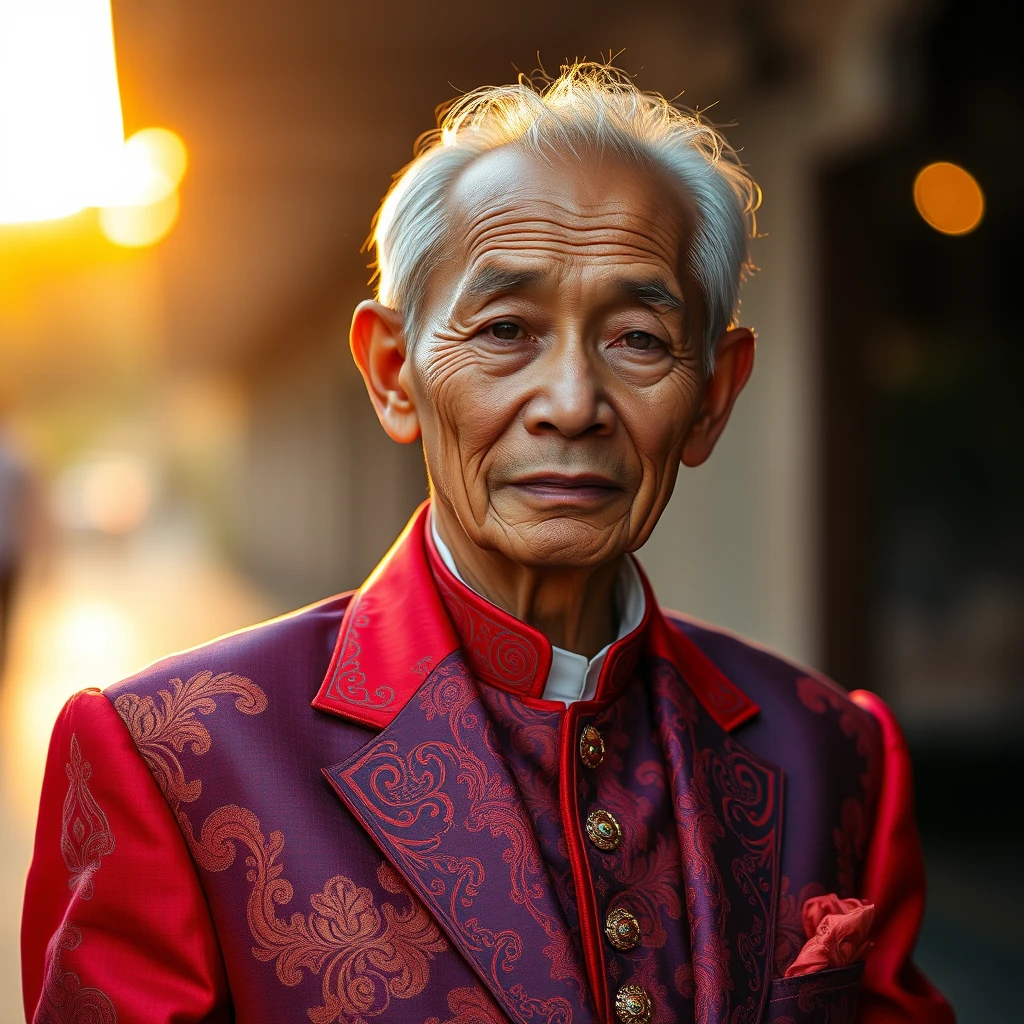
[586, 210]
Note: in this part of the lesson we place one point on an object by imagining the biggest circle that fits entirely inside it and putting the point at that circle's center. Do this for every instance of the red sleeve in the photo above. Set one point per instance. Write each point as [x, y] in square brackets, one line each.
[116, 927]
[894, 990]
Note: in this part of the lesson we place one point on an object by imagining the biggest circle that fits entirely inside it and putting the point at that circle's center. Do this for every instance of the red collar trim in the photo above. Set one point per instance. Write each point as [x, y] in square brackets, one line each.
[412, 612]
[507, 653]
[725, 702]
[499, 649]
[395, 631]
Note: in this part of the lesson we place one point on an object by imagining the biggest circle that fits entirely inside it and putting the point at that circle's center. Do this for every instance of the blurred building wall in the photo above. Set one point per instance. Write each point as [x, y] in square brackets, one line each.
[324, 490]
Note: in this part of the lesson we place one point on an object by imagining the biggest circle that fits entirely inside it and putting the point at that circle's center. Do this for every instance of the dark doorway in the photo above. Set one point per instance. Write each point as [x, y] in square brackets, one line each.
[922, 372]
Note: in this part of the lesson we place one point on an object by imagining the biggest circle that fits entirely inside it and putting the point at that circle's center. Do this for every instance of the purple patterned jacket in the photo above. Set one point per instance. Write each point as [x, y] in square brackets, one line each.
[376, 818]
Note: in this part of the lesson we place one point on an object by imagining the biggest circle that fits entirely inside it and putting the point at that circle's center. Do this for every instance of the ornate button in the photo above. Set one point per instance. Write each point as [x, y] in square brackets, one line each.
[633, 1005]
[622, 928]
[603, 830]
[591, 747]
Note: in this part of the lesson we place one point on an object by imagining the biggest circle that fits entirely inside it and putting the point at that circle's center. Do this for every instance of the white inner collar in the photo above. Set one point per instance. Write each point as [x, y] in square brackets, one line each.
[572, 676]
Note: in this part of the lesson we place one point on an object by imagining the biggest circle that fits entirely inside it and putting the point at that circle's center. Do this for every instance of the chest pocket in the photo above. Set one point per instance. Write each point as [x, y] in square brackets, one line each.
[825, 997]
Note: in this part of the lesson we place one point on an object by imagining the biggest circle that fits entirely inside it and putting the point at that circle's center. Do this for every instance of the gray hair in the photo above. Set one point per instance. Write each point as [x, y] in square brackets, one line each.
[592, 106]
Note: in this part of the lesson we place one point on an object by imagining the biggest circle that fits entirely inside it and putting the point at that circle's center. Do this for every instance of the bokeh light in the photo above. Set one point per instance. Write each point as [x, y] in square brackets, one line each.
[150, 167]
[144, 199]
[948, 198]
[135, 226]
[110, 494]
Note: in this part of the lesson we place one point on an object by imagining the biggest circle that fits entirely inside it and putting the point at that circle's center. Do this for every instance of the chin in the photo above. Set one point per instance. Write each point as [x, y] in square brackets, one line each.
[562, 543]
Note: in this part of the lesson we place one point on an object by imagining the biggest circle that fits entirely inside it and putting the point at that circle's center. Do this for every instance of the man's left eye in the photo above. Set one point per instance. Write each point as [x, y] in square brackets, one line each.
[640, 341]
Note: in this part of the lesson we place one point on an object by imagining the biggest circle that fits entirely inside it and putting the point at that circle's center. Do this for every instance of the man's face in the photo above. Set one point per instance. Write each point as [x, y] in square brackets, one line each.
[558, 371]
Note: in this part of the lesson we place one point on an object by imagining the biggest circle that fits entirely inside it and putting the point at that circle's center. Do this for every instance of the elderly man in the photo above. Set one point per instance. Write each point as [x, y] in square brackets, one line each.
[498, 783]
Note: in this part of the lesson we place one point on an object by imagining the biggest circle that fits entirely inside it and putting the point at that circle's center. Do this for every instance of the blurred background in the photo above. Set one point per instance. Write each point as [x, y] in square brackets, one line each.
[185, 447]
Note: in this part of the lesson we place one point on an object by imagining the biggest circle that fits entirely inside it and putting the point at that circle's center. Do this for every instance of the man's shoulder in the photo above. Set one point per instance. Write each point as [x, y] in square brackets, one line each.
[296, 646]
[785, 689]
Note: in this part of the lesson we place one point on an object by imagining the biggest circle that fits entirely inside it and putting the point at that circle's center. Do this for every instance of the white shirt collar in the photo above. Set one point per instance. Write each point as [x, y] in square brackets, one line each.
[572, 677]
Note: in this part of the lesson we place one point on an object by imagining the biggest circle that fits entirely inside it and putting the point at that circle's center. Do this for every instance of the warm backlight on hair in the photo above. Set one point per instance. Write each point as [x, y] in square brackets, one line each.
[949, 198]
[60, 110]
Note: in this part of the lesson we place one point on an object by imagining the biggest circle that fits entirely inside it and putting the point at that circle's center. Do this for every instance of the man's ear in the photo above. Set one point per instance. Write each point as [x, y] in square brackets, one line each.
[378, 347]
[734, 359]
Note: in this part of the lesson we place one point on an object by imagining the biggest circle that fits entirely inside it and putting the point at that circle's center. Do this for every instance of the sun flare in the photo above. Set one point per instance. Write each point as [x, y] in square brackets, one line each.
[62, 145]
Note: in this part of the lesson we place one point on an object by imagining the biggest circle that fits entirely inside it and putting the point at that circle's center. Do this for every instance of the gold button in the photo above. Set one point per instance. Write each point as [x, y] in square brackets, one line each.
[622, 928]
[591, 747]
[603, 830]
[633, 1005]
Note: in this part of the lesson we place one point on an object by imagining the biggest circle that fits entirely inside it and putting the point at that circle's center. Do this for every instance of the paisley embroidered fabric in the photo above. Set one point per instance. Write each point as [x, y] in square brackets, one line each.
[434, 880]
[644, 875]
[366, 954]
[115, 947]
[85, 840]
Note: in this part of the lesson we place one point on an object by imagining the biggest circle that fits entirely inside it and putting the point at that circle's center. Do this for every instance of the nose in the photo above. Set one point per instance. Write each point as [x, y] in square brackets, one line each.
[569, 397]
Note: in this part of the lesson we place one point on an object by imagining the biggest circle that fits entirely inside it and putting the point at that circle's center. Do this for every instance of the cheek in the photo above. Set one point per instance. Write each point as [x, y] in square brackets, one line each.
[658, 424]
[464, 411]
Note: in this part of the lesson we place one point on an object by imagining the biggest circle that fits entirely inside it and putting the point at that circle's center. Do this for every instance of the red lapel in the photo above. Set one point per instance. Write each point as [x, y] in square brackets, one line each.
[394, 633]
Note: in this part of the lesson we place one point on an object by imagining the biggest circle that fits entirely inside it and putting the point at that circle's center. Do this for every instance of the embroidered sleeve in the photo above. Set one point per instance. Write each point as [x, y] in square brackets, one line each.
[894, 990]
[116, 928]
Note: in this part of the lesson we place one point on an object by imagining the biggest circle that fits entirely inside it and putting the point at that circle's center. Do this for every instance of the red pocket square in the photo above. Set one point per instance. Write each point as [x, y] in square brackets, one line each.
[837, 934]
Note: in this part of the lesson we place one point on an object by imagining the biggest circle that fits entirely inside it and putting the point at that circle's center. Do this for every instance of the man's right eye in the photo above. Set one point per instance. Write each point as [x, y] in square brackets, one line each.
[506, 330]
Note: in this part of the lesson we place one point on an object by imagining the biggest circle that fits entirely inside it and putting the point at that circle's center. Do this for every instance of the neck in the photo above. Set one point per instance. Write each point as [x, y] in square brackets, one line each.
[573, 607]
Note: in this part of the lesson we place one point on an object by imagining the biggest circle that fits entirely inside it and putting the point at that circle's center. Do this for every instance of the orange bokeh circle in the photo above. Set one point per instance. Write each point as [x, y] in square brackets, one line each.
[948, 198]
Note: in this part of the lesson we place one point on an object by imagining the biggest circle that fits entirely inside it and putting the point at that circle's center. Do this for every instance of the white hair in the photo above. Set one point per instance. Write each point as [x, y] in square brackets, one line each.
[592, 106]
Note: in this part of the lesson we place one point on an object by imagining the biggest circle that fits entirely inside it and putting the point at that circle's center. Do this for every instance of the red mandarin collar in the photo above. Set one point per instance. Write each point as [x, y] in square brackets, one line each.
[412, 613]
[507, 653]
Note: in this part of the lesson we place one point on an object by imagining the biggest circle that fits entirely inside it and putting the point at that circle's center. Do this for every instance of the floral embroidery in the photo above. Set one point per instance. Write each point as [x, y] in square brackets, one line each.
[699, 829]
[726, 798]
[64, 1001]
[85, 837]
[749, 803]
[348, 680]
[828, 997]
[425, 801]
[648, 866]
[162, 732]
[789, 926]
[471, 1006]
[366, 955]
[651, 886]
[852, 834]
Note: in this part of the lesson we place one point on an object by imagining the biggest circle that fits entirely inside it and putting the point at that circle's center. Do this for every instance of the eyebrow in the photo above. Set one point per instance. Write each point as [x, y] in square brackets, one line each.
[651, 292]
[490, 281]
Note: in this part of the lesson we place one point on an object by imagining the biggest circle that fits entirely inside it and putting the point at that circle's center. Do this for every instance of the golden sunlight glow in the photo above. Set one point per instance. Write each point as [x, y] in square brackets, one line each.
[151, 166]
[144, 202]
[949, 199]
[60, 110]
[62, 145]
[136, 226]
